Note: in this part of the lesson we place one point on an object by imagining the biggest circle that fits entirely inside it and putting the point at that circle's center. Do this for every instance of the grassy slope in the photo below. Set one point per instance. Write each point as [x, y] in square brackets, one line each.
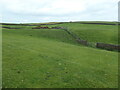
[42, 60]
[90, 32]
[57, 35]
[93, 32]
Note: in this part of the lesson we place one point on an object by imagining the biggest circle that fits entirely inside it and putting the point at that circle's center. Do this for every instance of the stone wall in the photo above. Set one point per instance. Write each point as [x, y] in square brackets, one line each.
[46, 27]
[83, 42]
[10, 27]
[110, 47]
[41, 28]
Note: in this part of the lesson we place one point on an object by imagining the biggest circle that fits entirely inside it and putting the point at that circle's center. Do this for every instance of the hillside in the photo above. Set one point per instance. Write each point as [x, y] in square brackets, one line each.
[51, 58]
[94, 32]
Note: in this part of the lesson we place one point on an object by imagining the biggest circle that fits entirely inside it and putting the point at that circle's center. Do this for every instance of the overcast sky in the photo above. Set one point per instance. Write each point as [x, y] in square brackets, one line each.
[24, 11]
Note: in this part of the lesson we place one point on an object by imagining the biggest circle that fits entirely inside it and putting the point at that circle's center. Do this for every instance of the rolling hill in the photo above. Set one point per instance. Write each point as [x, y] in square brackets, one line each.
[51, 58]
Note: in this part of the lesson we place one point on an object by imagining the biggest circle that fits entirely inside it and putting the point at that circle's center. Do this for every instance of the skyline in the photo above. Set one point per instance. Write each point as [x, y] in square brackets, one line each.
[35, 11]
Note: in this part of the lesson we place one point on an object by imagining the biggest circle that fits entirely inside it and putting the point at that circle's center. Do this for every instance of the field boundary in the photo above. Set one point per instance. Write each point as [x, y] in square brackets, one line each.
[10, 27]
[78, 39]
[100, 45]
[101, 23]
[110, 47]
[30, 24]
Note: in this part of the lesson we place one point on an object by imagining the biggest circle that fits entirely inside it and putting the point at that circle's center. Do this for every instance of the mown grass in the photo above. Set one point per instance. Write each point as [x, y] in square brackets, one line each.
[36, 58]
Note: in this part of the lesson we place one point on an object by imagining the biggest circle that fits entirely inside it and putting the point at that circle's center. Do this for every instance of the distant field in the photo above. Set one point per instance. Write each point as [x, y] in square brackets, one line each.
[51, 58]
[93, 32]
[90, 32]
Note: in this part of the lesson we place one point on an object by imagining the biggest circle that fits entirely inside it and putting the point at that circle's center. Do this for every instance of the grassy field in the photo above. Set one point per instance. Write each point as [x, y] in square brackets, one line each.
[94, 33]
[50, 58]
